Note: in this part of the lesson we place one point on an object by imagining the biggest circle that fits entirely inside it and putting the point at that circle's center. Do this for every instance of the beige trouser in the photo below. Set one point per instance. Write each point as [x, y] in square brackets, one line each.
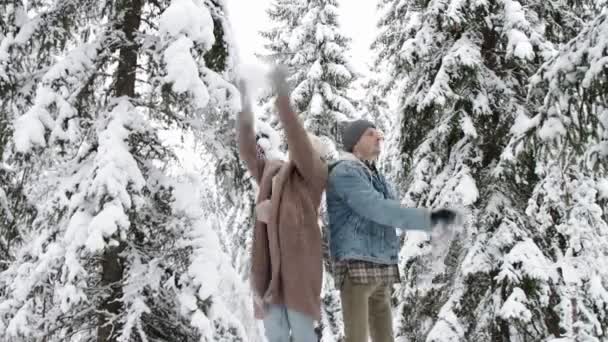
[367, 312]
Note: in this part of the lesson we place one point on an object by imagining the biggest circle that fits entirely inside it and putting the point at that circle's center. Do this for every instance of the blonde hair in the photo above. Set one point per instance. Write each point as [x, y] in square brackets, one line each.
[318, 145]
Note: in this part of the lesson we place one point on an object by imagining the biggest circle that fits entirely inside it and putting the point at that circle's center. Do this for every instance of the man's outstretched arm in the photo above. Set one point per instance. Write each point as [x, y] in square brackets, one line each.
[352, 186]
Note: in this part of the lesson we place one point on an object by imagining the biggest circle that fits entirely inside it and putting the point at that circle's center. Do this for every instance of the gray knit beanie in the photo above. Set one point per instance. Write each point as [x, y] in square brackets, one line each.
[353, 132]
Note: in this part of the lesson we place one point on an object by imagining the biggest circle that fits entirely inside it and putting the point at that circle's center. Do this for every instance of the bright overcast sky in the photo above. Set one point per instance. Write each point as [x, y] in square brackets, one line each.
[357, 18]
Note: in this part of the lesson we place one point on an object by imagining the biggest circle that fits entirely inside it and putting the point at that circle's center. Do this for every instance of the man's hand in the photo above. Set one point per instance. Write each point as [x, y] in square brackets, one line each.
[443, 217]
[278, 79]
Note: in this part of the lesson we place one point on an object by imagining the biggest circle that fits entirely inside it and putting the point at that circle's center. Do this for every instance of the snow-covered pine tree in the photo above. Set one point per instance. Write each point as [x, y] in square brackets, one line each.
[233, 197]
[388, 76]
[7, 182]
[227, 195]
[568, 139]
[322, 73]
[285, 16]
[117, 251]
[313, 48]
[7, 229]
[13, 205]
[393, 30]
[375, 106]
[461, 70]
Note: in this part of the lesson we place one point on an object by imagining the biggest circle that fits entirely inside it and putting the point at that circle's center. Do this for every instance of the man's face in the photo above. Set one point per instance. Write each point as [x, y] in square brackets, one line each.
[368, 146]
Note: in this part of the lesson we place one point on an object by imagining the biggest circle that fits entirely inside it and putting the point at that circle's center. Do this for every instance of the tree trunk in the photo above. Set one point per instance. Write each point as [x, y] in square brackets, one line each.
[127, 66]
[124, 85]
[111, 306]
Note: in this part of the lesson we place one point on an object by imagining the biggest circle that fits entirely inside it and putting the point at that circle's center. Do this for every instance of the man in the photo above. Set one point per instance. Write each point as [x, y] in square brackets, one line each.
[286, 261]
[363, 213]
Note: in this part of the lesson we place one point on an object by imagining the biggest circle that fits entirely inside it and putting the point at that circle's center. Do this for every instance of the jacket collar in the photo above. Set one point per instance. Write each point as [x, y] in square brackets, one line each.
[347, 156]
[351, 157]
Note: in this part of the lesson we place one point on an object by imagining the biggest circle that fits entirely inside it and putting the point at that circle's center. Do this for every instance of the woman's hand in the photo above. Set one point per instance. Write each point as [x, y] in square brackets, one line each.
[263, 211]
[278, 78]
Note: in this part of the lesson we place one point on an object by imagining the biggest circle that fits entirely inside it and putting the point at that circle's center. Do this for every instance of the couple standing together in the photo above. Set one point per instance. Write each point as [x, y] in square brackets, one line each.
[286, 260]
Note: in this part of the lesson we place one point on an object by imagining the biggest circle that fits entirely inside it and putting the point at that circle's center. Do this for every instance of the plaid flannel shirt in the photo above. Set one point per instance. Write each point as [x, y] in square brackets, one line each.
[363, 272]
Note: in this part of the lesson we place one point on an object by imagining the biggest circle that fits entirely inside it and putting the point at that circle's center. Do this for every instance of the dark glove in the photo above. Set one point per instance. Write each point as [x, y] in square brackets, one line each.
[443, 216]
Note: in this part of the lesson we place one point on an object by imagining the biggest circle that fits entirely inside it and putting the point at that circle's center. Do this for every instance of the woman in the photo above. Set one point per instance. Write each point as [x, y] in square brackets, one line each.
[286, 260]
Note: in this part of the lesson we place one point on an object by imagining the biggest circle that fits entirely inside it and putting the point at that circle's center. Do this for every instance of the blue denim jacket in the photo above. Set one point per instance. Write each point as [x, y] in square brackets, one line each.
[363, 214]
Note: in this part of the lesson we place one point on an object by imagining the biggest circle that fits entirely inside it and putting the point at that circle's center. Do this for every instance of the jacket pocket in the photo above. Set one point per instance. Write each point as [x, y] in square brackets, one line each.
[361, 234]
[391, 240]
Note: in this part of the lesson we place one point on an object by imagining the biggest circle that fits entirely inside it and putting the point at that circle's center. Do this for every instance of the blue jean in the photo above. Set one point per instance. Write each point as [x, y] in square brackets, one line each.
[279, 321]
